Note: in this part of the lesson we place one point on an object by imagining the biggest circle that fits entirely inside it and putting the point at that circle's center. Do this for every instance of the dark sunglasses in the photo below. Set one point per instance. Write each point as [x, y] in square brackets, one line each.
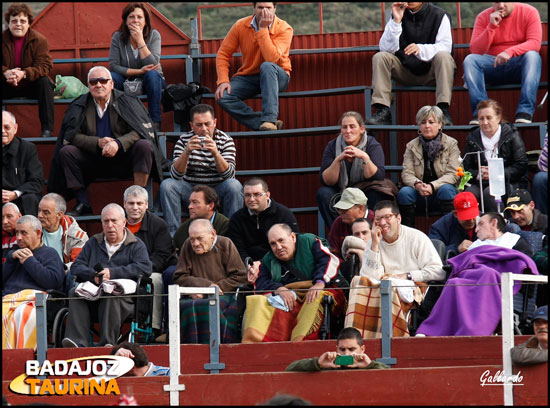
[94, 81]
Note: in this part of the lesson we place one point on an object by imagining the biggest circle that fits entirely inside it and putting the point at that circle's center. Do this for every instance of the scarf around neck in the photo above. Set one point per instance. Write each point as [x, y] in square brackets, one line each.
[356, 173]
[432, 148]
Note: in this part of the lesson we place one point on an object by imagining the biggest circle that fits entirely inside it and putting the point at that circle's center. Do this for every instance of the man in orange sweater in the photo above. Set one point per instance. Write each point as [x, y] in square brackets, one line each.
[264, 41]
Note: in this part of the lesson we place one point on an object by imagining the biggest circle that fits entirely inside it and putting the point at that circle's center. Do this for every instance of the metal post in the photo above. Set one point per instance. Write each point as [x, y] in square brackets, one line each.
[41, 327]
[195, 49]
[480, 181]
[507, 293]
[385, 300]
[214, 323]
[174, 344]
[507, 283]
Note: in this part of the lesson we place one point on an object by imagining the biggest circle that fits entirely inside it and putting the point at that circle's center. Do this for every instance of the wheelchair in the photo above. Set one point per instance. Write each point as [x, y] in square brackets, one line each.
[140, 323]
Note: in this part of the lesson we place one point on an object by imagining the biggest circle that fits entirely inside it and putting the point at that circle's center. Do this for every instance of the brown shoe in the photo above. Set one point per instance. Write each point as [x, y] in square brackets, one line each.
[163, 338]
[272, 126]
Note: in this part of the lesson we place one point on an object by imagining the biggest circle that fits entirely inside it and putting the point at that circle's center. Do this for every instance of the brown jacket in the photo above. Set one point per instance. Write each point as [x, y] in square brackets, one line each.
[36, 60]
[222, 265]
[445, 164]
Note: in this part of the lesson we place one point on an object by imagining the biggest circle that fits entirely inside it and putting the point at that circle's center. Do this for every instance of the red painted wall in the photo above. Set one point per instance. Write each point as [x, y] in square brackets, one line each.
[76, 30]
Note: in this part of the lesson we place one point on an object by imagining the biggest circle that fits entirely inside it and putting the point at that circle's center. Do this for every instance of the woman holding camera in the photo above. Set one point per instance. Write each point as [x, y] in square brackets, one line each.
[135, 54]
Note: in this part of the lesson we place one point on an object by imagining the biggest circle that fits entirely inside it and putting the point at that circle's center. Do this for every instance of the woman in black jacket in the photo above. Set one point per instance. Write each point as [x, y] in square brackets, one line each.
[495, 138]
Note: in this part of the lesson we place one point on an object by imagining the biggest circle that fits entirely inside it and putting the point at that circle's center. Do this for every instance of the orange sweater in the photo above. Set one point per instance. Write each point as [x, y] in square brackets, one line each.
[271, 45]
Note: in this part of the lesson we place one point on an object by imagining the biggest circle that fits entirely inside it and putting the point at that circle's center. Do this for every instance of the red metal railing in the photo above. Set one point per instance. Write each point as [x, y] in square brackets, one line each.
[320, 7]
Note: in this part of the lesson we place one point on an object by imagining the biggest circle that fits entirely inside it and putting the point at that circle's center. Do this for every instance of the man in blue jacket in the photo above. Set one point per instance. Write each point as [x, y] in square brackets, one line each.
[457, 228]
[115, 253]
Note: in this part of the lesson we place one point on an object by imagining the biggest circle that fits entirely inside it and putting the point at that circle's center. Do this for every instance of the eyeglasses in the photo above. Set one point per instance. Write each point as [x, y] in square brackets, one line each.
[94, 81]
[386, 217]
[255, 195]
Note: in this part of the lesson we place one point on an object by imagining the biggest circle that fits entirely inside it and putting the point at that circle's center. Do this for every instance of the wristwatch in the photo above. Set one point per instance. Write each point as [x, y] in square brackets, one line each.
[409, 276]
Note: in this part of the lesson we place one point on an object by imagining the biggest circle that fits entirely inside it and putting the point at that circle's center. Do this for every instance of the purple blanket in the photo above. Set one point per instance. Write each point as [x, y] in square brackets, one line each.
[475, 310]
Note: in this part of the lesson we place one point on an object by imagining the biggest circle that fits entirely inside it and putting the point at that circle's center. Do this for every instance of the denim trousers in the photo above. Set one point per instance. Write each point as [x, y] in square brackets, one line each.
[271, 80]
[153, 84]
[540, 191]
[524, 69]
[174, 194]
[408, 195]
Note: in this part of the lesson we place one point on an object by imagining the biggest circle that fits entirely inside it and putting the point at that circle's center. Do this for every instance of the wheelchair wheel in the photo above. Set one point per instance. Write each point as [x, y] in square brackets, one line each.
[59, 326]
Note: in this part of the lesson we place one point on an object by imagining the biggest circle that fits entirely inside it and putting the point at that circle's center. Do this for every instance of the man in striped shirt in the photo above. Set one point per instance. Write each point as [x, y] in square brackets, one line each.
[204, 155]
[264, 41]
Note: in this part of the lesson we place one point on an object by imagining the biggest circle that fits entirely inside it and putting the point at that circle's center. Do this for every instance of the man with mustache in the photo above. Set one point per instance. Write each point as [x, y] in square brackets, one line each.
[534, 350]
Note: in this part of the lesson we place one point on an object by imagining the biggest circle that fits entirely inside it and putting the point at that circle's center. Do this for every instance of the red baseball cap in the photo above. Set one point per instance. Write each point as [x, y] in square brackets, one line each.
[466, 206]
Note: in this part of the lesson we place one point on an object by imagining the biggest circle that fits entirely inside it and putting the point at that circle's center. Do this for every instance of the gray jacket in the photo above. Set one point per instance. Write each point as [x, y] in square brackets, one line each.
[128, 262]
[121, 56]
[529, 353]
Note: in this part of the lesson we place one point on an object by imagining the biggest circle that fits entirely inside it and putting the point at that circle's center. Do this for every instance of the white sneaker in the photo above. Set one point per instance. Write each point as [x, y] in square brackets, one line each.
[474, 122]
[68, 343]
[420, 335]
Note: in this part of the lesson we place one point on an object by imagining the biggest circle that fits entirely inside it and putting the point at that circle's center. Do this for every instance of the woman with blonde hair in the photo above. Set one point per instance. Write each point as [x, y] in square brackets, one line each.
[429, 167]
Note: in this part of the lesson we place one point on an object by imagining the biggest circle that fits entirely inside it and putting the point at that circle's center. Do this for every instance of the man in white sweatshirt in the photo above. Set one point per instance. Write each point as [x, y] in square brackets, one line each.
[399, 251]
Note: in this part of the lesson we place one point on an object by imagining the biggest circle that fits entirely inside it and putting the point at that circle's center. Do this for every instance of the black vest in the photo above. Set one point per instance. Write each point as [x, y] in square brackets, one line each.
[419, 28]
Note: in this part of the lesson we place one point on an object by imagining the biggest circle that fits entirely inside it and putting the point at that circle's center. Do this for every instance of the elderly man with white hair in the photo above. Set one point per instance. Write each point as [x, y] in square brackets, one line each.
[10, 215]
[105, 133]
[30, 268]
[115, 253]
[60, 231]
[207, 259]
[22, 174]
[153, 231]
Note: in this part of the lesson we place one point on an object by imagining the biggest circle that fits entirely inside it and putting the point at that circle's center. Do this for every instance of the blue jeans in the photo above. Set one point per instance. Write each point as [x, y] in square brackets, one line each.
[271, 80]
[153, 84]
[408, 195]
[175, 193]
[524, 70]
[540, 191]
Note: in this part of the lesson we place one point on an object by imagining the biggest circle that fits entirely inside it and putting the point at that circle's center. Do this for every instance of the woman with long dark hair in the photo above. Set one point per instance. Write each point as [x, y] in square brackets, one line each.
[135, 54]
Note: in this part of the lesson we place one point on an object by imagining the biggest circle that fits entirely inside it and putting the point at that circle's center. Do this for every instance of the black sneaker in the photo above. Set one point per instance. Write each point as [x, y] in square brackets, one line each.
[523, 117]
[381, 117]
[447, 120]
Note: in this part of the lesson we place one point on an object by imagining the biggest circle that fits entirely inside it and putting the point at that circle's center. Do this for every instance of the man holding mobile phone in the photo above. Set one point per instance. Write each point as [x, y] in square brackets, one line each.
[206, 156]
[350, 353]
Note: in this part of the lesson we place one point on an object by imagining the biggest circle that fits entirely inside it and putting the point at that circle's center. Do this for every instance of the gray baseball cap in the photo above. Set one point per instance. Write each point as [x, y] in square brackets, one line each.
[351, 196]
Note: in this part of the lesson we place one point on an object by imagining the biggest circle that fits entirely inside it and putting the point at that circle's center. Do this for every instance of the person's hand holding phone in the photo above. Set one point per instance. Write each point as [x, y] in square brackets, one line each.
[326, 360]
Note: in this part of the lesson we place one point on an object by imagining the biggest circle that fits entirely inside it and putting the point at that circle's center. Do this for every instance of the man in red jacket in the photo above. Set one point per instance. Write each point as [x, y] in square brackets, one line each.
[504, 49]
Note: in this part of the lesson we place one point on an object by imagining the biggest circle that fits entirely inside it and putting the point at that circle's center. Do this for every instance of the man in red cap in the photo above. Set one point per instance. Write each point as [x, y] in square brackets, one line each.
[457, 228]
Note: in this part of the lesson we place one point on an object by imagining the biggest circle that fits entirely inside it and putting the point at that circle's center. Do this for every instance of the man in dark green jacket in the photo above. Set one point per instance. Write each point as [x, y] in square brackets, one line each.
[349, 343]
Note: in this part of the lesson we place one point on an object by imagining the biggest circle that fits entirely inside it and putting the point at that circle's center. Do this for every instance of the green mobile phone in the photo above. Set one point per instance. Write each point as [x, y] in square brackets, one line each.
[344, 360]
